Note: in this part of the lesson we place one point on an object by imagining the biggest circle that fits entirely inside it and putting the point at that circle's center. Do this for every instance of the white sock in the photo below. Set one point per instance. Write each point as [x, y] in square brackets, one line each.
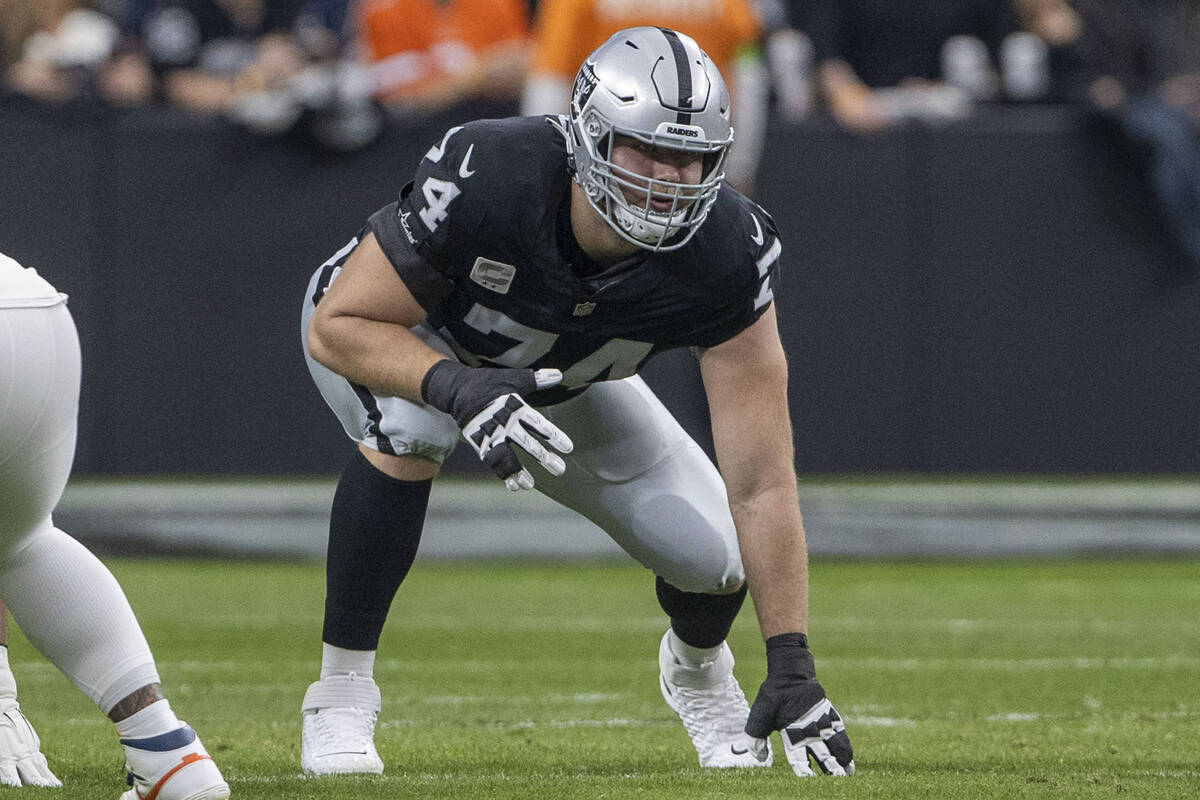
[340, 661]
[153, 720]
[691, 656]
[72, 610]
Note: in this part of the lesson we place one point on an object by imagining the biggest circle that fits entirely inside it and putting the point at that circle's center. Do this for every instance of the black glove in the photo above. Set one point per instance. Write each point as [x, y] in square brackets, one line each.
[488, 406]
[792, 702]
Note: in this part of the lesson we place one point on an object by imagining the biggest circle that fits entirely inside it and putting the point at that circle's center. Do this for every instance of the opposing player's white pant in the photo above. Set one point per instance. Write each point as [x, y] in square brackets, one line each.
[65, 600]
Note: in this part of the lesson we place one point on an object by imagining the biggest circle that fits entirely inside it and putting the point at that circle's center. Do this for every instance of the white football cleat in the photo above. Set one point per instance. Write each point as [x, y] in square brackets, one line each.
[338, 736]
[712, 707]
[172, 766]
[21, 759]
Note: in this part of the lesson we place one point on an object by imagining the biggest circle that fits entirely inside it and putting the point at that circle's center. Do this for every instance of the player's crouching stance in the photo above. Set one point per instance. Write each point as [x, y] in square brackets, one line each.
[66, 601]
[511, 294]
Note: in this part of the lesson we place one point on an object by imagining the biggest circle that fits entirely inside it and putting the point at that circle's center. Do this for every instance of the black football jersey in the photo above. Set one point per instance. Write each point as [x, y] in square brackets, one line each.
[482, 239]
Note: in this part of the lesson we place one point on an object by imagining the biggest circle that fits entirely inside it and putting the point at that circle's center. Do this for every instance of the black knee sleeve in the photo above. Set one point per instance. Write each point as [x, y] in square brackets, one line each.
[374, 529]
[701, 620]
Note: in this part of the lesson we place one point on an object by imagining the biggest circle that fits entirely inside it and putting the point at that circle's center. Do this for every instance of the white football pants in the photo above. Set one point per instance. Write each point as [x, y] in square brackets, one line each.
[634, 471]
[64, 599]
[637, 474]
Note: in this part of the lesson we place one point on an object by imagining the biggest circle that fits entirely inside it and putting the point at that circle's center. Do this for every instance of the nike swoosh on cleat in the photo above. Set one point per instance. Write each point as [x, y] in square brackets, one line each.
[737, 752]
[463, 172]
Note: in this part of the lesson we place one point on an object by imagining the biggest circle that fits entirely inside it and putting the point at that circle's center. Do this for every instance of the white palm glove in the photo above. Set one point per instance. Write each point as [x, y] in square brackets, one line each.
[489, 407]
[21, 759]
[792, 702]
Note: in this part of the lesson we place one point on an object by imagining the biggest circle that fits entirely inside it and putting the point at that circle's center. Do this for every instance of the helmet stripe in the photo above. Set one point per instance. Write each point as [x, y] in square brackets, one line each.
[683, 72]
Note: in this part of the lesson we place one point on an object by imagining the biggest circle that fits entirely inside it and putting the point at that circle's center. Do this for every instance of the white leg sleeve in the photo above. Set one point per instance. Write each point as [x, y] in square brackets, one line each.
[67, 603]
[73, 611]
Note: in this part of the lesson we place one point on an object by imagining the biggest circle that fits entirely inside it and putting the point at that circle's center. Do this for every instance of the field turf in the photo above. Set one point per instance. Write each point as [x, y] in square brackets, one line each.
[998, 679]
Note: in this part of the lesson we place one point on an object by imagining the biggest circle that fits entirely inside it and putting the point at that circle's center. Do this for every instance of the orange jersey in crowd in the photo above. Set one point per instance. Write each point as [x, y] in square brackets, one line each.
[413, 42]
[568, 30]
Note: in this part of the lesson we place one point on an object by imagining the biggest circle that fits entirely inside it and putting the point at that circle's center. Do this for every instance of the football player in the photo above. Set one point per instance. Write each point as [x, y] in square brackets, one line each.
[510, 295]
[67, 603]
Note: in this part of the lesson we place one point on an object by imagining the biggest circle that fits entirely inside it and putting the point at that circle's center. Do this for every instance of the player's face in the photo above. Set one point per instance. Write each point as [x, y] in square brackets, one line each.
[650, 169]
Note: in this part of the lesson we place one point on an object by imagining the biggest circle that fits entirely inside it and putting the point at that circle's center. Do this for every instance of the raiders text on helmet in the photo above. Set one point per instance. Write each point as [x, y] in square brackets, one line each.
[657, 86]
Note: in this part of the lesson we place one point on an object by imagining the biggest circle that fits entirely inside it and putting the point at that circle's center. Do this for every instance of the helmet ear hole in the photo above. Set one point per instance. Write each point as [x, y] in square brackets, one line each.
[594, 127]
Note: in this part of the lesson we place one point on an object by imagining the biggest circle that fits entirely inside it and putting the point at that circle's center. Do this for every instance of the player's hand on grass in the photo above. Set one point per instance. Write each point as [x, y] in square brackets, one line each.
[489, 407]
[792, 702]
[21, 759]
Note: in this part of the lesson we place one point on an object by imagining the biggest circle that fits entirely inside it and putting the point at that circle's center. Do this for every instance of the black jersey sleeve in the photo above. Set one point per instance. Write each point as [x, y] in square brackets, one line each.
[415, 230]
[766, 262]
[455, 199]
[747, 240]
[426, 282]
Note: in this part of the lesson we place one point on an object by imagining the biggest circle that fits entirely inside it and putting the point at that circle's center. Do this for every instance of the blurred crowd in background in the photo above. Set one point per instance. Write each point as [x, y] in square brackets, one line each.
[1132, 66]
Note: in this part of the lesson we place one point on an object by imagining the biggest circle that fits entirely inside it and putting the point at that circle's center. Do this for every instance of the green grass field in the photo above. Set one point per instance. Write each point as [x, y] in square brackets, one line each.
[1054, 678]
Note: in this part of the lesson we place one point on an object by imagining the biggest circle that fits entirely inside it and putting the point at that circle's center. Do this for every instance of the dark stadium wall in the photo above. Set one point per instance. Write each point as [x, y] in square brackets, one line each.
[992, 296]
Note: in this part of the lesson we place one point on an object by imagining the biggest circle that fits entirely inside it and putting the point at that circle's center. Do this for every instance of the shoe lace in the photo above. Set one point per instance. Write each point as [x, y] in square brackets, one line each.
[712, 716]
[345, 729]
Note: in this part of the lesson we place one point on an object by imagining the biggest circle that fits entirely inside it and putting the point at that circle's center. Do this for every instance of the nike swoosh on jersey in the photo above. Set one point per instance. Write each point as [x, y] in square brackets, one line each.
[463, 172]
[436, 152]
[757, 237]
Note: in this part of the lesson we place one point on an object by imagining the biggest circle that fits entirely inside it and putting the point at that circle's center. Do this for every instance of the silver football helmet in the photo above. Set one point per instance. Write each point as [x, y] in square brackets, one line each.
[657, 86]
